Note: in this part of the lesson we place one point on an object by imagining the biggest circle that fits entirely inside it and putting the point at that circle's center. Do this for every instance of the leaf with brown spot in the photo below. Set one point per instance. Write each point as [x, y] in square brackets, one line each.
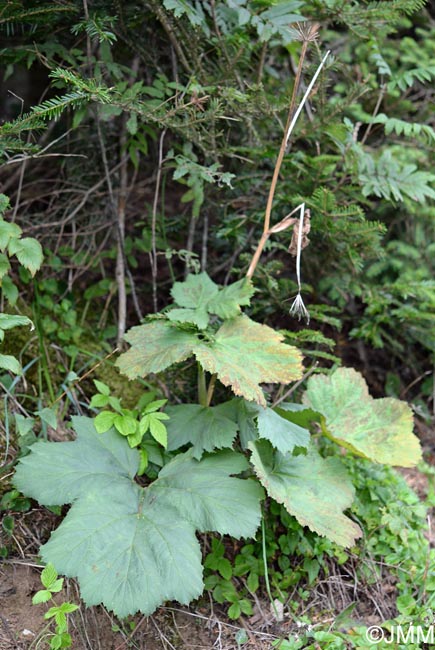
[245, 354]
[154, 347]
[313, 489]
[379, 429]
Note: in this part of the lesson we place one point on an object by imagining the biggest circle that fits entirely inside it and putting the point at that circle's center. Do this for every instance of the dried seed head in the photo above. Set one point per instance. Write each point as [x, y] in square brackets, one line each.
[306, 31]
[298, 309]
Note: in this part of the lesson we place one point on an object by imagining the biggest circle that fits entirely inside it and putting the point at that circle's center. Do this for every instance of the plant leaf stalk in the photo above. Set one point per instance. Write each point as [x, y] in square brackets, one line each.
[290, 124]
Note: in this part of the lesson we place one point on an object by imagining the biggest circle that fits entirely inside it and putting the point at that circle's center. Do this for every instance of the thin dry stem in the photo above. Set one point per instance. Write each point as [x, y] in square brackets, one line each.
[291, 121]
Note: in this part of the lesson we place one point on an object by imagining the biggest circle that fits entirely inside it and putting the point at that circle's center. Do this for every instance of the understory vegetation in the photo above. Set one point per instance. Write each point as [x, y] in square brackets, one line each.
[217, 323]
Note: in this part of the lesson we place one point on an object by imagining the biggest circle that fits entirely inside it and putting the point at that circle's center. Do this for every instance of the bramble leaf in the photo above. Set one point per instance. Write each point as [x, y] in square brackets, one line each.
[313, 489]
[28, 252]
[8, 231]
[41, 596]
[379, 429]
[206, 428]
[48, 575]
[132, 548]
[285, 435]
[245, 354]
[5, 265]
[154, 347]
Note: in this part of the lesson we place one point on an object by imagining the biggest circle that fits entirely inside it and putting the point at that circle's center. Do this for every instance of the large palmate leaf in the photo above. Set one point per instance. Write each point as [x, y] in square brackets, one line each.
[313, 489]
[132, 548]
[245, 354]
[278, 428]
[206, 495]
[154, 347]
[127, 551]
[206, 428]
[198, 297]
[379, 429]
[244, 414]
[55, 474]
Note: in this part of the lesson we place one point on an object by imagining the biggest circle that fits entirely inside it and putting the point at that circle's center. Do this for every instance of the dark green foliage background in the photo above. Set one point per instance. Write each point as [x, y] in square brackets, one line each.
[147, 131]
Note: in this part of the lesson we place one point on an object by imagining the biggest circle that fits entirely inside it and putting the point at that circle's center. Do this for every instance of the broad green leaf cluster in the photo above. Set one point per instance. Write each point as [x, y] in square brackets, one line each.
[134, 547]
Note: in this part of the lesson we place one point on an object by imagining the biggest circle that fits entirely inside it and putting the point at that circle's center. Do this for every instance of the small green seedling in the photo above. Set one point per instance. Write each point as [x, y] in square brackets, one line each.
[52, 584]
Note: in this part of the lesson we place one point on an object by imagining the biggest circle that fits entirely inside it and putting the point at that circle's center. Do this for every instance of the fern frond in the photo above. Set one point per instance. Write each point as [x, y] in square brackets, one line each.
[388, 179]
[406, 79]
[403, 127]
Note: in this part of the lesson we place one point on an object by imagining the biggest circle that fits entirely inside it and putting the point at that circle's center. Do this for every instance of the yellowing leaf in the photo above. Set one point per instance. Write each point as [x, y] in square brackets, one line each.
[245, 354]
[379, 429]
[312, 489]
[154, 347]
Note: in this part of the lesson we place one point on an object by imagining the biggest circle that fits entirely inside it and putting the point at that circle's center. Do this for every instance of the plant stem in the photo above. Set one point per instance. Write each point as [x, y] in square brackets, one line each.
[266, 570]
[268, 212]
[291, 121]
[202, 386]
[210, 390]
[153, 254]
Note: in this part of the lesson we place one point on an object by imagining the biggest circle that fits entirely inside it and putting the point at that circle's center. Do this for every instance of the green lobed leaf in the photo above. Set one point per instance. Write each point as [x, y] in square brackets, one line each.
[58, 473]
[154, 347]
[285, 435]
[104, 421]
[198, 317]
[244, 414]
[48, 576]
[8, 231]
[300, 414]
[9, 321]
[314, 490]
[226, 304]
[205, 427]
[28, 251]
[41, 596]
[199, 296]
[245, 354]
[379, 429]
[8, 362]
[10, 290]
[132, 548]
[203, 492]
[127, 551]
[195, 291]
[5, 265]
